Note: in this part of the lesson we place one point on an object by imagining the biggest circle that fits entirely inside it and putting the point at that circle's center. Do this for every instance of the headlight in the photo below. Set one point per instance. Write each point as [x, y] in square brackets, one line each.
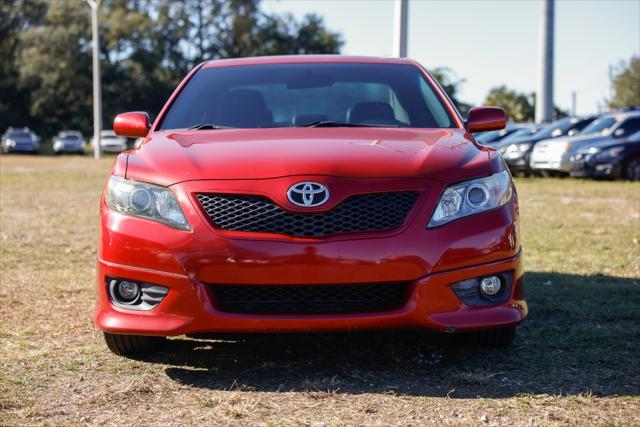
[611, 152]
[516, 150]
[472, 197]
[10, 143]
[146, 201]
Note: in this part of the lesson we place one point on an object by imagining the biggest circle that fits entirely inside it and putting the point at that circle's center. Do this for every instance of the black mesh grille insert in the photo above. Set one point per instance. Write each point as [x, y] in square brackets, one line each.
[369, 212]
[310, 299]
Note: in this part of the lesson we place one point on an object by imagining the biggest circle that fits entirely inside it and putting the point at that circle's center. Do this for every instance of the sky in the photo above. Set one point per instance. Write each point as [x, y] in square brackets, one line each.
[492, 43]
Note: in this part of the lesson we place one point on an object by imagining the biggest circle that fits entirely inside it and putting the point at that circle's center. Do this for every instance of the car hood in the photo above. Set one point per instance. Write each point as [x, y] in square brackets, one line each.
[169, 157]
[605, 144]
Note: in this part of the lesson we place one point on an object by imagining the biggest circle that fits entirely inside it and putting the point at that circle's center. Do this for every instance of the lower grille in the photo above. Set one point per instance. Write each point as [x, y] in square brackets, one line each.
[310, 299]
[367, 212]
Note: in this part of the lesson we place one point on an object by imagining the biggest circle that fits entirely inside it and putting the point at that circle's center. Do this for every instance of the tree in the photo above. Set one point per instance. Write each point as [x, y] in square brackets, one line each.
[626, 85]
[451, 83]
[15, 17]
[516, 105]
[55, 68]
[146, 47]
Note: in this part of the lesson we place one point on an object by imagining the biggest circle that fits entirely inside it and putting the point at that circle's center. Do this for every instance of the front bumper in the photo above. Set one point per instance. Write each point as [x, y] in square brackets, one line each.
[519, 162]
[596, 169]
[25, 148]
[190, 307]
[551, 161]
[68, 148]
[188, 263]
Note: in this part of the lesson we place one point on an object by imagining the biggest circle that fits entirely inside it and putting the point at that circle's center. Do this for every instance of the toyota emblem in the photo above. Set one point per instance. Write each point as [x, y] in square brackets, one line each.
[308, 194]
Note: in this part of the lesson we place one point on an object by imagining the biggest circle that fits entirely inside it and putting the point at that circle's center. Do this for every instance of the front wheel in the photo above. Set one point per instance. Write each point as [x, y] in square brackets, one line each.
[133, 345]
[632, 169]
[501, 337]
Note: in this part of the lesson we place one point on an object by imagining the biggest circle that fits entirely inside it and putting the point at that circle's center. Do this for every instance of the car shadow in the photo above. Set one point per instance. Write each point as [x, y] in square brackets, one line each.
[582, 336]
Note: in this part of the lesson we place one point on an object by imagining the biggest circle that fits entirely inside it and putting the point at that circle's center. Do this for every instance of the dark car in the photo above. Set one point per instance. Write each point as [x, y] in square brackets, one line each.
[517, 151]
[20, 140]
[553, 156]
[496, 136]
[69, 141]
[620, 159]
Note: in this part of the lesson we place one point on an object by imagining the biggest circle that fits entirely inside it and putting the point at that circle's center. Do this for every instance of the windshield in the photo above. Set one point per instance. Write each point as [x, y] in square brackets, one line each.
[559, 128]
[601, 126]
[285, 95]
[19, 134]
[519, 134]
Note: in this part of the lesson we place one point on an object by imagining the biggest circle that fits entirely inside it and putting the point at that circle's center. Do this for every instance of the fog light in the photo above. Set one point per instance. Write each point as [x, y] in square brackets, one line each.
[490, 286]
[133, 295]
[128, 291]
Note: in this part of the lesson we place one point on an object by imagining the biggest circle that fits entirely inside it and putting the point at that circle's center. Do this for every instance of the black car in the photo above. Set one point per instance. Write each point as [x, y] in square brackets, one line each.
[495, 136]
[620, 159]
[517, 151]
[20, 140]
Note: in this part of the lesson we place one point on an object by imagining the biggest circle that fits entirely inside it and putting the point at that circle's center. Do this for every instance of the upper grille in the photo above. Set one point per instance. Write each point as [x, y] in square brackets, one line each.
[310, 299]
[381, 211]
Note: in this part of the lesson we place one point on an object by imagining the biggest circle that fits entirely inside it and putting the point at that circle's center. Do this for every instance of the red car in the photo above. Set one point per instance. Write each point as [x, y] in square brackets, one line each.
[308, 193]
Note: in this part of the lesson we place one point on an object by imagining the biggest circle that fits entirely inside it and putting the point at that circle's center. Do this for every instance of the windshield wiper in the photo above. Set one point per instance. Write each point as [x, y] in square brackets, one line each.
[206, 126]
[330, 124]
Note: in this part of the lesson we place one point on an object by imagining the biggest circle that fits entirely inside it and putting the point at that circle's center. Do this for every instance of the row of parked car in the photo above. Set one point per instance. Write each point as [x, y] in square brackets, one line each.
[594, 146]
[24, 140]
[606, 146]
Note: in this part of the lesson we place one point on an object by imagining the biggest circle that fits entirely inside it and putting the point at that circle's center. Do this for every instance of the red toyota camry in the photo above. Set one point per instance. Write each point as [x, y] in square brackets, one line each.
[308, 193]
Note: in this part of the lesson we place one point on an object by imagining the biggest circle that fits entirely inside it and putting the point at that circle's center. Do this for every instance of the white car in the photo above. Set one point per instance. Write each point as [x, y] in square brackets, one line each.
[554, 155]
[110, 142]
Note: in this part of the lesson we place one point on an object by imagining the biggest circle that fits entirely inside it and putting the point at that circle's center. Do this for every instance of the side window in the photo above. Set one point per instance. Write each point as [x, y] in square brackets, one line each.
[628, 127]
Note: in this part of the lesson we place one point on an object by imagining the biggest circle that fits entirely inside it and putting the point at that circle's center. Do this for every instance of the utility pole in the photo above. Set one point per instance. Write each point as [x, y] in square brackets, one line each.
[97, 84]
[400, 28]
[573, 103]
[544, 104]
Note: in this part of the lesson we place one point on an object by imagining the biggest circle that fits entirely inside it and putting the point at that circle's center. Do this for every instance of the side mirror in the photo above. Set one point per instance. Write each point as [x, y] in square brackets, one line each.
[618, 133]
[132, 125]
[482, 119]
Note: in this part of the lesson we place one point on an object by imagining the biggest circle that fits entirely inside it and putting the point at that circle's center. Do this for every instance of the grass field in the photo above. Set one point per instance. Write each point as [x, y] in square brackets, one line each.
[576, 359]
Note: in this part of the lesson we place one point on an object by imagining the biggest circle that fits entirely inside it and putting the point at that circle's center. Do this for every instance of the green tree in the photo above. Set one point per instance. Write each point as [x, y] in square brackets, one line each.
[451, 83]
[146, 47]
[15, 17]
[55, 68]
[626, 85]
[516, 105]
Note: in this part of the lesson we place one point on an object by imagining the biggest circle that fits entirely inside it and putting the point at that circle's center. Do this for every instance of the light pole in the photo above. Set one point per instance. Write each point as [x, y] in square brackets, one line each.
[544, 96]
[97, 84]
[401, 23]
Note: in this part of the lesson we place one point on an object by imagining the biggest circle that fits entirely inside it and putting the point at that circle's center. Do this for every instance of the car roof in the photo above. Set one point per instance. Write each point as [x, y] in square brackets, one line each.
[305, 59]
[622, 115]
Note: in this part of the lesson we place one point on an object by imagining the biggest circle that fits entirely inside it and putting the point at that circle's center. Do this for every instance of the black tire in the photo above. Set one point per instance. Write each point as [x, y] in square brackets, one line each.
[502, 337]
[132, 345]
[631, 169]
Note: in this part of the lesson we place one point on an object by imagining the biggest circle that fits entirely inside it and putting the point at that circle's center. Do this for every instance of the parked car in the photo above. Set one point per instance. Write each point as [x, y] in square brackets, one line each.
[516, 151]
[68, 141]
[110, 142]
[308, 193]
[554, 156]
[20, 140]
[620, 159]
[493, 137]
